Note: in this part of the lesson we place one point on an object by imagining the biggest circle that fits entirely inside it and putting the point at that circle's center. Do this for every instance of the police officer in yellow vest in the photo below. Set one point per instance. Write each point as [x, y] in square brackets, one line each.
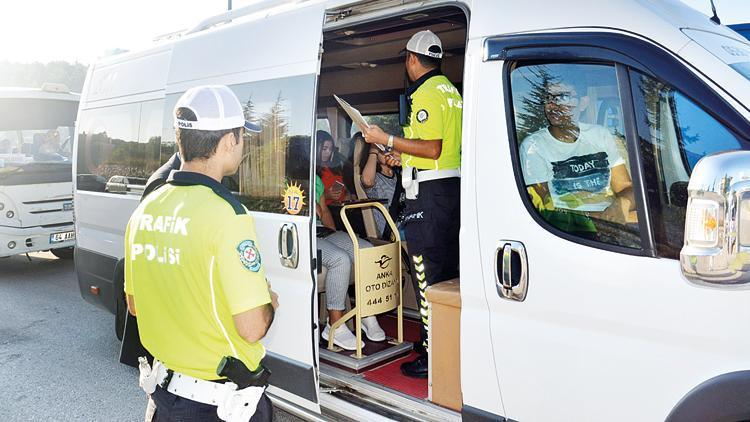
[430, 156]
[194, 271]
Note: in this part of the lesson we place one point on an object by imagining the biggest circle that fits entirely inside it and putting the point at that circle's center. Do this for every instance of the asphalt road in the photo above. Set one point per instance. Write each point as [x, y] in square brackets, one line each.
[58, 353]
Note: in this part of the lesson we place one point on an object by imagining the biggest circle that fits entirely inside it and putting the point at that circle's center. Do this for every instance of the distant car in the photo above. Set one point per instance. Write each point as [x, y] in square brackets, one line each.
[122, 184]
[742, 29]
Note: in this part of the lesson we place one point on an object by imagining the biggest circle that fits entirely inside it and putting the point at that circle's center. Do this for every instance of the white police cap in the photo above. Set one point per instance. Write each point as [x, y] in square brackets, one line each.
[215, 107]
[425, 43]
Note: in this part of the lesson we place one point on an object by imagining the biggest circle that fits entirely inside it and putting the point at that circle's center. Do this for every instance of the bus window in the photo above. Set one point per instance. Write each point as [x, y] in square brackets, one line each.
[36, 148]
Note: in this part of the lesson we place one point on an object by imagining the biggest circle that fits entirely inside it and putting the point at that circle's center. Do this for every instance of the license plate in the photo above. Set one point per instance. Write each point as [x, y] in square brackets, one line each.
[62, 237]
[68, 206]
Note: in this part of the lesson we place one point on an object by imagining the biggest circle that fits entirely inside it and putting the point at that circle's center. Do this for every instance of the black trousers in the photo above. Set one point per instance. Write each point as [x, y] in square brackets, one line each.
[172, 408]
[432, 222]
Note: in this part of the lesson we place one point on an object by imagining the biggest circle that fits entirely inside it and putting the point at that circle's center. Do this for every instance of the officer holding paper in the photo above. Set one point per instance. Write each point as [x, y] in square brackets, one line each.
[430, 154]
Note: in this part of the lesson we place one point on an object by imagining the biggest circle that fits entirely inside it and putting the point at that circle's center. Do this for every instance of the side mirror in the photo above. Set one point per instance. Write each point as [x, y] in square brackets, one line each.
[716, 250]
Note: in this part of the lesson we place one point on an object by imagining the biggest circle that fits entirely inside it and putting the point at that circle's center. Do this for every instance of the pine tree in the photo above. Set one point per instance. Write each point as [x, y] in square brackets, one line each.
[278, 123]
[532, 116]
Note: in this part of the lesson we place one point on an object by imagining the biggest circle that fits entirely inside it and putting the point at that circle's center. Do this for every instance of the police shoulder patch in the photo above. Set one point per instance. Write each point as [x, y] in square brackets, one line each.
[422, 115]
[249, 255]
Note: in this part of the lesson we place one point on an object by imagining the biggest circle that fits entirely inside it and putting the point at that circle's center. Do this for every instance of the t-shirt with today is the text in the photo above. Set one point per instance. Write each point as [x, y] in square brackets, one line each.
[578, 174]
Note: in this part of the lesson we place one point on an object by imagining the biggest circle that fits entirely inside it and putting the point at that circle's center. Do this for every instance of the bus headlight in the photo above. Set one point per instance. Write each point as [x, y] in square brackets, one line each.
[2, 206]
[10, 214]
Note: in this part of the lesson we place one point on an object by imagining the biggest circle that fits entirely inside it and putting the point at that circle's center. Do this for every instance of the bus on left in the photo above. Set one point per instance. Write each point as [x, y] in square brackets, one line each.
[36, 187]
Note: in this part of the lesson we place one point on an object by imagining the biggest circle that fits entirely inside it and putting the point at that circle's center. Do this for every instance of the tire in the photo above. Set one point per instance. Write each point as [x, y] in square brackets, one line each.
[63, 253]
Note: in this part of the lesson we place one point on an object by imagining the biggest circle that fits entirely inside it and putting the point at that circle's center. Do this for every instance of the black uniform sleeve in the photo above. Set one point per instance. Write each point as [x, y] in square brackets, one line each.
[159, 178]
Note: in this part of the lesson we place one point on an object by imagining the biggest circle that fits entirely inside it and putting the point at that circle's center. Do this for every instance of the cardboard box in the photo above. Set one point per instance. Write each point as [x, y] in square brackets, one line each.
[445, 344]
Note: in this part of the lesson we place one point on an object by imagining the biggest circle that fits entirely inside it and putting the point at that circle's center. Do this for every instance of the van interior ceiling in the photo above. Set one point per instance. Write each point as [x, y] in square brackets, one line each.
[364, 63]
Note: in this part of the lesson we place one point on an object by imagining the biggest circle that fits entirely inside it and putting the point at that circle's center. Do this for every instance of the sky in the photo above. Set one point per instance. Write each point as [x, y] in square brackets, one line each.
[84, 30]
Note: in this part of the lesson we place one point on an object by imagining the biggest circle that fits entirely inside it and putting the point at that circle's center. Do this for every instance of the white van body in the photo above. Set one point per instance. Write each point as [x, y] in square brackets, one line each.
[603, 333]
[36, 191]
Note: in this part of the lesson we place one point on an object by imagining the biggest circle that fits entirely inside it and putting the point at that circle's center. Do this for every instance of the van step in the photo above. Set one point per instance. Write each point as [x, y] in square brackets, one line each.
[347, 360]
[354, 388]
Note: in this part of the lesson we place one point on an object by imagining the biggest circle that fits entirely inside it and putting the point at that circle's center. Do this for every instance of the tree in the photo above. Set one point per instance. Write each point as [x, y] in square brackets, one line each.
[35, 74]
[264, 169]
[532, 116]
[387, 122]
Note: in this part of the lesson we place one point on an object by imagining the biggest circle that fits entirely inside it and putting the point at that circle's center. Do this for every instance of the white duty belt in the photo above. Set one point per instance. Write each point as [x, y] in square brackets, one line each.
[233, 405]
[411, 184]
[427, 175]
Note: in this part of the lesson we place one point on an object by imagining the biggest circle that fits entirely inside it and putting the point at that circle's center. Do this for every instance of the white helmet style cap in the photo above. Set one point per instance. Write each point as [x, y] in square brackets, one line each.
[426, 43]
[215, 107]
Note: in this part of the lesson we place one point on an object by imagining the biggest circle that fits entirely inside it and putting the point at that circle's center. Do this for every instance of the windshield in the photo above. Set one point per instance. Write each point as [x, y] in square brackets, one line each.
[35, 156]
[734, 53]
[36, 141]
[35, 145]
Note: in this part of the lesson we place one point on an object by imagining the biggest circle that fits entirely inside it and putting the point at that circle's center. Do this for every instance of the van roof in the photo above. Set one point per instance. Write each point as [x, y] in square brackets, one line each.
[637, 16]
[659, 20]
[516, 17]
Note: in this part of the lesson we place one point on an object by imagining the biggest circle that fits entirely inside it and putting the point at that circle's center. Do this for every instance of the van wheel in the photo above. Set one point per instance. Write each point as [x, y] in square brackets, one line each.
[121, 313]
[63, 253]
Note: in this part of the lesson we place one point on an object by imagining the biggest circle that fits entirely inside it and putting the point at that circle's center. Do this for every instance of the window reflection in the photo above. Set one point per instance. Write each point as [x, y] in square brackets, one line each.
[120, 145]
[675, 134]
[279, 155]
[572, 151]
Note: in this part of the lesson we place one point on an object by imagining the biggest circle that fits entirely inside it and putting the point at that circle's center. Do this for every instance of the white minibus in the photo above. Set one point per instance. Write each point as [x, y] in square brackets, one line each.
[591, 305]
[36, 190]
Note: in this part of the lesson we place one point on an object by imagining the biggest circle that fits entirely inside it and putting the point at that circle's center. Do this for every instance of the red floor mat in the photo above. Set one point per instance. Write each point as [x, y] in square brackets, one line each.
[390, 376]
[388, 324]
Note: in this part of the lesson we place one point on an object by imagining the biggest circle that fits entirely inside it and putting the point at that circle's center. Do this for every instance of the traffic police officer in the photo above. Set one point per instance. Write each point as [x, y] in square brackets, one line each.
[193, 269]
[430, 154]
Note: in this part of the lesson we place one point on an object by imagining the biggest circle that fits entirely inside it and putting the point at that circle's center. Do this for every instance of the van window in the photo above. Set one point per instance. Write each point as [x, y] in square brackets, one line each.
[675, 133]
[572, 153]
[120, 143]
[323, 124]
[387, 122]
[277, 158]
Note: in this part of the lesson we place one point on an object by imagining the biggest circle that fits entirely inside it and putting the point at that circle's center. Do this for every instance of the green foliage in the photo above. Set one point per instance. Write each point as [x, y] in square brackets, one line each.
[33, 75]
[387, 122]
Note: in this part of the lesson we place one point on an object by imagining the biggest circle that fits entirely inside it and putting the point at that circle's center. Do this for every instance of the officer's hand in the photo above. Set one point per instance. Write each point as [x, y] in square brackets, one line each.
[375, 135]
[393, 159]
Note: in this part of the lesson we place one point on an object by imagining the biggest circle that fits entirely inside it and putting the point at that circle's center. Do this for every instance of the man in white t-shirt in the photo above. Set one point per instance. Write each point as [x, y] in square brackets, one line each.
[571, 165]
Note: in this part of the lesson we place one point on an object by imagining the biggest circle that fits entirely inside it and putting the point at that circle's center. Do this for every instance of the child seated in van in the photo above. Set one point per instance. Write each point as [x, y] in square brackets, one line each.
[330, 168]
[379, 180]
[338, 256]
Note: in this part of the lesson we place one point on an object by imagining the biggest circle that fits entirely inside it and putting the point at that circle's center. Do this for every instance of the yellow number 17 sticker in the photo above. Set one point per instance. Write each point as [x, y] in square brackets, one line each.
[293, 199]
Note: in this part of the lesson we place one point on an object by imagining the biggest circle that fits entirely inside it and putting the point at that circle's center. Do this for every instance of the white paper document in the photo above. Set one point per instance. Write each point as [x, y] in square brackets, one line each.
[352, 112]
[355, 115]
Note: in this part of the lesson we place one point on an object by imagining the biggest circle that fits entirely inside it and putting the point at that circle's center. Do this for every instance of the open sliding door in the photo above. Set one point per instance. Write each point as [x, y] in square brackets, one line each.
[271, 62]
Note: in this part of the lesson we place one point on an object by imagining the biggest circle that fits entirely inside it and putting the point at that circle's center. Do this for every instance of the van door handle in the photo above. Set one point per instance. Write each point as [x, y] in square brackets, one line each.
[511, 270]
[288, 245]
